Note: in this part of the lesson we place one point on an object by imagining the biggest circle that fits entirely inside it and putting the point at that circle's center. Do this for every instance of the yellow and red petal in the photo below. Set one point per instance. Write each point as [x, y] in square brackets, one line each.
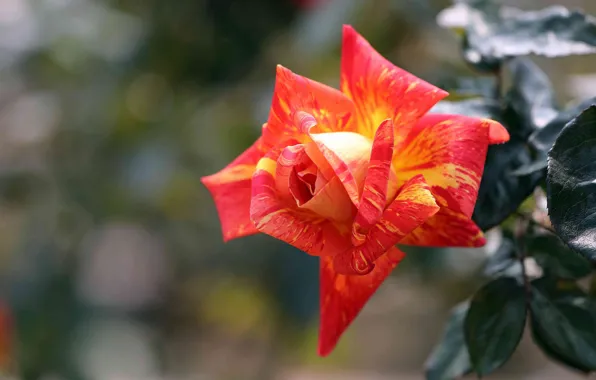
[375, 192]
[449, 150]
[331, 109]
[298, 180]
[380, 90]
[305, 230]
[231, 191]
[447, 229]
[342, 297]
[413, 205]
[347, 153]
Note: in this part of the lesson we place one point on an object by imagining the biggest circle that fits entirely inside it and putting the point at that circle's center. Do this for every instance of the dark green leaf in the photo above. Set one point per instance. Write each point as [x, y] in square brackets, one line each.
[561, 290]
[494, 324]
[539, 340]
[503, 259]
[494, 34]
[531, 97]
[543, 139]
[500, 192]
[531, 168]
[450, 359]
[477, 107]
[562, 327]
[571, 184]
[556, 259]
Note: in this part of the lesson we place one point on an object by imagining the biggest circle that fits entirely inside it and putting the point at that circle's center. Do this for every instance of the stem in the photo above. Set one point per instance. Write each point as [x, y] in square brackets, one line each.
[520, 232]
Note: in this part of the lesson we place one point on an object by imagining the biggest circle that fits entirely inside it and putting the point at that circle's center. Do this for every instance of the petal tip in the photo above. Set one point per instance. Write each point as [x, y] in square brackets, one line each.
[497, 134]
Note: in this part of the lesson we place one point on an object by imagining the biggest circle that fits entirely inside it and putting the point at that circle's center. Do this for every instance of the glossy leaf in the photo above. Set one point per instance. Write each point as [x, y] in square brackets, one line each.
[501, 193]
[571, 184]
[450, 359]
[531, 96]
[563, 327]
[556, 259]
[493, 34]
[494, 324]
[502, 260]
[542, 140]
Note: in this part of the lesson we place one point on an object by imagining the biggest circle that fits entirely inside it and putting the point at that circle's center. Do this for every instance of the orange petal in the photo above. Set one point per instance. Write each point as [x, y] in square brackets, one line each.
[447, 229]
[413, 205]
[301, 228]
[449, 150]
[342, 297]
[331, 109]
[380, 90]
[376, 184]
[231, 189]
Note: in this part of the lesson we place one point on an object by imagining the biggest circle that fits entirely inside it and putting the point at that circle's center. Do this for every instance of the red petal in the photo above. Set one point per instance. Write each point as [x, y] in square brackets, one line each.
[299, 227]
[293, 93]
[342, 297]
[446, 229]
[413, 205]
[376, 184]
[449, 150]
[497, 134]
[380, 90]
[231, 190]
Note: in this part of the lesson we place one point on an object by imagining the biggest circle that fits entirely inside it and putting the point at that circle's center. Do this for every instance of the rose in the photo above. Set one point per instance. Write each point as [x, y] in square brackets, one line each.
[347, 175]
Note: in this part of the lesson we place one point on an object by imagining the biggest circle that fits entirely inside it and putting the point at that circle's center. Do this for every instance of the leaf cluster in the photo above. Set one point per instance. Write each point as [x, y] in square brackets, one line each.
[551, 146]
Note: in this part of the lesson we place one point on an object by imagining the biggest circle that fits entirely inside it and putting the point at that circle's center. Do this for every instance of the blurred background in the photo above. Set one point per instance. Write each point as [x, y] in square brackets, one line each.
[112, 264]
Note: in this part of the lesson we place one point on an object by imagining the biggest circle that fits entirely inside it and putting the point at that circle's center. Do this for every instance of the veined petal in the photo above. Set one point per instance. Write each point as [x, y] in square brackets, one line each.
[331, 109]
[305, 230]
[376, 191]
[380, 90]
[413, 205]
[342, 297]
[231, 190]
[447, 229]
[449, 150]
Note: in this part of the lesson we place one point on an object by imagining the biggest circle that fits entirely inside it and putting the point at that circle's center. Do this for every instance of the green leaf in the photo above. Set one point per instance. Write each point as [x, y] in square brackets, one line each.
[563, 327]
[556, 259]
[494, 324]
[540, 341]
[571, 184]
[450, 359]
[542, 140]
[501, 193]
[493, 33]
[531, 97]
[502, 260]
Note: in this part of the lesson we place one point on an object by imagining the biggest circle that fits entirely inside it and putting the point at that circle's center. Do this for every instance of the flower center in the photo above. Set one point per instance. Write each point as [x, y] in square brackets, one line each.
[303, 182]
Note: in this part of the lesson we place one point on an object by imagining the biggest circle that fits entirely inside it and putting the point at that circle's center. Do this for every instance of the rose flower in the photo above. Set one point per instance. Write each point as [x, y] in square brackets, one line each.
[346, 175]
